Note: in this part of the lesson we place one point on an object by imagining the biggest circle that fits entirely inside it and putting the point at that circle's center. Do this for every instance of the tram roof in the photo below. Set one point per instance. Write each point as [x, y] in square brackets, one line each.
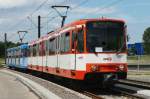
[77, 22]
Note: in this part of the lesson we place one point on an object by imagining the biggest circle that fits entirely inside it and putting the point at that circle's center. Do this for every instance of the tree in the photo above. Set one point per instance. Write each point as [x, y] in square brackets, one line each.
[2, 47]
[146, 39]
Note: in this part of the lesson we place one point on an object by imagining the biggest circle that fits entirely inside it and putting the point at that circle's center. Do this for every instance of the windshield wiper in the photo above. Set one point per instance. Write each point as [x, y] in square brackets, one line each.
[119, 50]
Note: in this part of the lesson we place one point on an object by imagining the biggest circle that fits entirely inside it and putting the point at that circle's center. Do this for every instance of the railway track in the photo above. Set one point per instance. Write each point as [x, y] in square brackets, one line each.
[119, 92]
[135, 83]
[93, 96]
[137, 89]
[126, 93]
[130, 92]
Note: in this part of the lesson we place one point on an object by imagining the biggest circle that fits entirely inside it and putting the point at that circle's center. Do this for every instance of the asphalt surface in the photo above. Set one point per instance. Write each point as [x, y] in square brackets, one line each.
[11, 88]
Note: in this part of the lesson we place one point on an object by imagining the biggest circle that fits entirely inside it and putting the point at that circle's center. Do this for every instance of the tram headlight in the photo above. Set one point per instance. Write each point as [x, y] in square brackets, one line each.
[121, 67]
[94, 68]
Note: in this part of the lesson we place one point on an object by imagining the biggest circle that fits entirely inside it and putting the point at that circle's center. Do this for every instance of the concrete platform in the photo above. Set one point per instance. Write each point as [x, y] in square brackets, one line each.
[11, 88]
[40, 91]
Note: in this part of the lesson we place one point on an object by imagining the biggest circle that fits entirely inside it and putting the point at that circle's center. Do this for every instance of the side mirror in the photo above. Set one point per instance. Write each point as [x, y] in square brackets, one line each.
[128, 38]
[125, 30]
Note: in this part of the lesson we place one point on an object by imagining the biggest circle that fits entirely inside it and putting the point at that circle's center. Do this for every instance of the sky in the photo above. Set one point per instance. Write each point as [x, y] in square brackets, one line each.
[21, 15]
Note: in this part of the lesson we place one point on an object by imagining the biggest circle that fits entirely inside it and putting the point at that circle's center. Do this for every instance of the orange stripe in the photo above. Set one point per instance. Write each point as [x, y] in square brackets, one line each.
[78, 74]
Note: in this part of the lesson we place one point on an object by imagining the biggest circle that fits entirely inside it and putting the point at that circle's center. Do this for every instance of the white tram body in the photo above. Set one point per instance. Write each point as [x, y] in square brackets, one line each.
[84, 49]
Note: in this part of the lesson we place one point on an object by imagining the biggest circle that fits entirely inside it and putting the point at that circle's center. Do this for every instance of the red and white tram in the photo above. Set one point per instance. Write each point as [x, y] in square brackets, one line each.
[86, 49]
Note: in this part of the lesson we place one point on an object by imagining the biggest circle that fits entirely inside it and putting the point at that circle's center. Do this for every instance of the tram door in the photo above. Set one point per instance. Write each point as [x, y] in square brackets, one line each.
[42, 55]
[58, 39]
[77, 47]
[45, 54]
[64, 55]
[74, 48]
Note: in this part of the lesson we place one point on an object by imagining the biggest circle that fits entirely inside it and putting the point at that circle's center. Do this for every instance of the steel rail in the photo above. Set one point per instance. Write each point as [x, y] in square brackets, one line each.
[93, 96]
[125, 93]
[135, 83]
[131, 84]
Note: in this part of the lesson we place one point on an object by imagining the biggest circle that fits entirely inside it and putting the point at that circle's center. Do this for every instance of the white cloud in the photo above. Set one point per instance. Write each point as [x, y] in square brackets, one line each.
[11, 3]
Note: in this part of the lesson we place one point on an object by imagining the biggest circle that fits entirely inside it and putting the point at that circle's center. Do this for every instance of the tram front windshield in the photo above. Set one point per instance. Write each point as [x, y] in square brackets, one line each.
[105, 36]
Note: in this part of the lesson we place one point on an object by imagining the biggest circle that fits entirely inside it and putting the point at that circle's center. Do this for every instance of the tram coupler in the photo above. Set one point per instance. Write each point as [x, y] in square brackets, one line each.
[109, 79]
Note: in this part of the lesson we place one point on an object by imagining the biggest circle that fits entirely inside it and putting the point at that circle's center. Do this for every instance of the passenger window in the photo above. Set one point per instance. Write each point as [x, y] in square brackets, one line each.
[30, 51]
[78, 36]
[25, 52]
[34, 50]
[37, 49]
[46, 47]
[40, 49]
[62, 43]
[80, 40]
[43, 48]
[67, 42]
[74, 38]
[52, 46]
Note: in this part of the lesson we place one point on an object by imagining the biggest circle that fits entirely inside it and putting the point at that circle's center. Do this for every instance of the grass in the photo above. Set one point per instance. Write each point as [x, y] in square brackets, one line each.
[138, 72]
[143, 59]
[2, 61]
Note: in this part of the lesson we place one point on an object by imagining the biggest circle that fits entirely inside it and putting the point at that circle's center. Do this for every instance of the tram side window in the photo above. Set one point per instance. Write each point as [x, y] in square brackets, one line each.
[46, 47]
[52, 46]
[14, 54]
[57, 44]
[20, 55]
[40, 49]
[62, 43]
[73, 40]
[67, 42]
[30, 51]
[78, 36]
[17, 53]
[11, 54]
[37, 49]
[34, 50]
[80, 40]
[24, 52]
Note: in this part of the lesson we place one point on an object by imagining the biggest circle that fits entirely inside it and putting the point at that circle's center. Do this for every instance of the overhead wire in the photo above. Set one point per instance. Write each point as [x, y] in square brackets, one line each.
[46, 15]
[40, 6]
[72, 8]
[54, 17]
[78, 5]
[18, 23]
[105, 7]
